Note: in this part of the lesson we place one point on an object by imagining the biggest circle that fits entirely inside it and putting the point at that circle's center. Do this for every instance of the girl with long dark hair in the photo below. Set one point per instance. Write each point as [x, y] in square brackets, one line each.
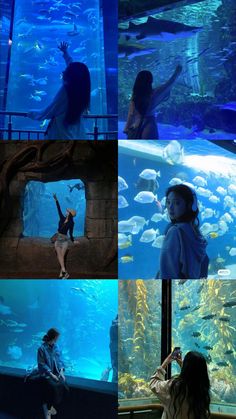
[185, 396]
[183, 254]
[66, 224]
[141, 121]
[69, 104]
[51, 371]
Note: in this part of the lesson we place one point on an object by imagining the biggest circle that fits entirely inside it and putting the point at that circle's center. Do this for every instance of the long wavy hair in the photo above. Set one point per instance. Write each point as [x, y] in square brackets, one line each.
[193, 387]
[188, 195]
[78, 87]
[142, 91]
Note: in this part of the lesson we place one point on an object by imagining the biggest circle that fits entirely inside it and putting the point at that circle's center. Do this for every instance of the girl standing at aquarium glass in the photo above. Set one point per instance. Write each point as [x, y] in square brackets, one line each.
[187, 395]
[141, 121]
[183, 254]
[71, 101]
[51, 370]
[66, 223]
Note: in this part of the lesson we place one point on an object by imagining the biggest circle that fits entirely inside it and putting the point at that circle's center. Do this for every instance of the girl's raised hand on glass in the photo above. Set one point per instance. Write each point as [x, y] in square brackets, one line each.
[63, 46]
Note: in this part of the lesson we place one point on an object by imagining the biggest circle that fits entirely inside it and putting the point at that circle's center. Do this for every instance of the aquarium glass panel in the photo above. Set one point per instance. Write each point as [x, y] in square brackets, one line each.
[82, 310]
[202, 165]
[202, 38]
[203, 320]
[36, 63]
[40, 214]
[139, 342]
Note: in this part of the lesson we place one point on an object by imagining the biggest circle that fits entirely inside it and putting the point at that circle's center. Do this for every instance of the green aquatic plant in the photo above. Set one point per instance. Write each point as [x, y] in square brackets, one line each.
[130, 386]
[139, 321]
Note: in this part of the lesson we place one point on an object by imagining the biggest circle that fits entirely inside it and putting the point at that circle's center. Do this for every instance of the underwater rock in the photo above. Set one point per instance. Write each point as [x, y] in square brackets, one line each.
[224, 119]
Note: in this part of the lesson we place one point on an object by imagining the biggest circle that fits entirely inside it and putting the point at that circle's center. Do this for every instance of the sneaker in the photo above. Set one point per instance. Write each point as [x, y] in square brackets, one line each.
[65, 275]
[52, 411]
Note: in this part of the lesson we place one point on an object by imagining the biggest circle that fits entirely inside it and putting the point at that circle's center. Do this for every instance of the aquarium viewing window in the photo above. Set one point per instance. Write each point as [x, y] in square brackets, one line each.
[82, 311]
[40, 214]
[202, 320]
[36, 62]
[204, 166]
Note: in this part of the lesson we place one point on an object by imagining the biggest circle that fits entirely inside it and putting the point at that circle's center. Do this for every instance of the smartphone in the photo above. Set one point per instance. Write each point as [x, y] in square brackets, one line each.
[176, 353]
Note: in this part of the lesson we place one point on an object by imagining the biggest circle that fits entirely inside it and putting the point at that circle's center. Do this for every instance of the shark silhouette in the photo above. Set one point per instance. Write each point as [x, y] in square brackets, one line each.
[158, 29]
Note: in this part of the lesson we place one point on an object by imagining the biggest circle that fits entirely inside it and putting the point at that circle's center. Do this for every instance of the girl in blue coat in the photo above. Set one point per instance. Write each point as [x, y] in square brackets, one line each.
[51, 370]
[183, 254]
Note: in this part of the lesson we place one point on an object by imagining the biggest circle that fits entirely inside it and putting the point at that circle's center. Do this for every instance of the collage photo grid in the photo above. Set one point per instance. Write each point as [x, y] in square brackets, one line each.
[118, 209]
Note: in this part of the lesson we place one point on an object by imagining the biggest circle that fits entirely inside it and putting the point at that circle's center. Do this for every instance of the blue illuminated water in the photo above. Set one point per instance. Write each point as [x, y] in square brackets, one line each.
[201, 158]
[36, 63]
[195, 107]
[40, 214]
[82, 310]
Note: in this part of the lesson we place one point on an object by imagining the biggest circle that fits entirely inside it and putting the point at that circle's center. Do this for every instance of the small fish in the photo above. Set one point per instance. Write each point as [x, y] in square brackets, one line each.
[230, 304]
[197, 307]
[37, 98]
[200, 181]
[204, 192]
[149, 174]
[156, 218]
[40, 92]
[222, 364]
[196, 334]
[221, 191]
[149, 235]
[209, 348]
[232, 251]
[158, 242]
[145, 197]
[184, 307]
[214, 199]
[122, 185]
[209, 316]
[127, 259]
[224, 319]
[200, 288]
[229, 352]
[175, 181]
[74, 32]
[122, 202]
[213, 235]
[196, 344]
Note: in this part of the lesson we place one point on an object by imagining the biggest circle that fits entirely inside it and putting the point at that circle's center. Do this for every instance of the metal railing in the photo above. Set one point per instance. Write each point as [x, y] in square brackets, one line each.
[39, 134]
[132, 410]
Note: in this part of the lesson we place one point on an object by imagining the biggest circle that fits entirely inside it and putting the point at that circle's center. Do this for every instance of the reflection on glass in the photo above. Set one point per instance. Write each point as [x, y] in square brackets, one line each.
[139, 336]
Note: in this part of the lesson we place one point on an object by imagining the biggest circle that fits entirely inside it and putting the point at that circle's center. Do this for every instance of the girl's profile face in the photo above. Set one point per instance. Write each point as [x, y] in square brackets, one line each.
[176, 206]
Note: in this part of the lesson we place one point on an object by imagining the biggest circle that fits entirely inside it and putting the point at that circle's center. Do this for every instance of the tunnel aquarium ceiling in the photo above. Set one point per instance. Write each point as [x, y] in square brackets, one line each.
[82, 310]
[201, 36]
[203, 320]
[204, 166]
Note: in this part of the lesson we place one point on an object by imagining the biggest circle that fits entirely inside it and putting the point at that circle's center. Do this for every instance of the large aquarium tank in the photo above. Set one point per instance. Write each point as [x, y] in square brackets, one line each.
[83, 312]
[203, 320]
[36, 64]
[40, 215]
[201, 36]
[208, 168]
